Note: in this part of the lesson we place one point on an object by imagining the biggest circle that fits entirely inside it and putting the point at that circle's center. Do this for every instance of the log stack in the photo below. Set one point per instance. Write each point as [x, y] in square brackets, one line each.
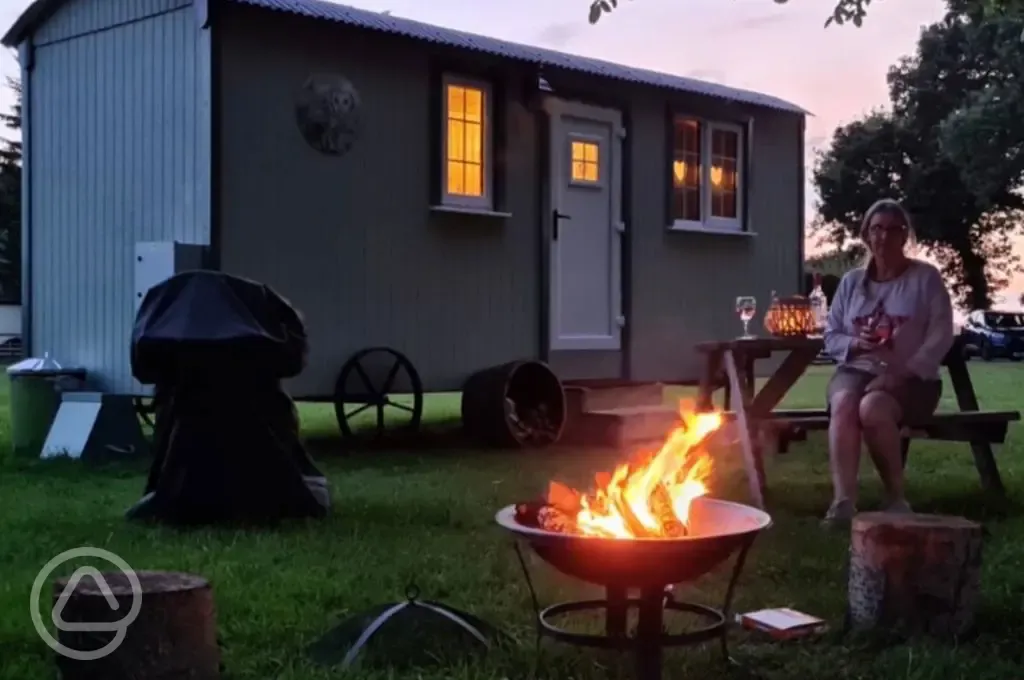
[173, 636]
[914, 574]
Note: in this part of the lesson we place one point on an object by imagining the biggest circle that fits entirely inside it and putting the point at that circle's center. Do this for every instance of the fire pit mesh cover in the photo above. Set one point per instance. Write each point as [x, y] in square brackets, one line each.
[409, 634]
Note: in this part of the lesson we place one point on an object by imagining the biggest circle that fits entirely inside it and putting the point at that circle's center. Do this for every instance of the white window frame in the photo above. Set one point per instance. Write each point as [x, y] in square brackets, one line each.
[485, 202]
[707, 222]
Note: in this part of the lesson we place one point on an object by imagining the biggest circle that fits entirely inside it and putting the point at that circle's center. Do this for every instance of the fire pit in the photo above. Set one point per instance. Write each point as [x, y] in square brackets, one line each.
[645, 527]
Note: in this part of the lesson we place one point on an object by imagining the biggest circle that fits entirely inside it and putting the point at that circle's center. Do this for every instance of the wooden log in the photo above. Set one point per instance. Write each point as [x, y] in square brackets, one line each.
[914, 574]
[174, 635]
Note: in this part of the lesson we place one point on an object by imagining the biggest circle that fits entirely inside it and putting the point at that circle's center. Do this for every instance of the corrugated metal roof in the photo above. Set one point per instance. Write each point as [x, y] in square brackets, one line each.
[34, 15]
[329, 11]
[40, 10]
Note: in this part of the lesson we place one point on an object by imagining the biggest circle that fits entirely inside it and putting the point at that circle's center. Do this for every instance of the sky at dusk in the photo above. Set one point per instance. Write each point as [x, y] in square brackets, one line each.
[837, 73]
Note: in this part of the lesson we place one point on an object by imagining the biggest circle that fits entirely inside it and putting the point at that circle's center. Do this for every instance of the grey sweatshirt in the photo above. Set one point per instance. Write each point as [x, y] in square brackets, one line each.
[916, 306]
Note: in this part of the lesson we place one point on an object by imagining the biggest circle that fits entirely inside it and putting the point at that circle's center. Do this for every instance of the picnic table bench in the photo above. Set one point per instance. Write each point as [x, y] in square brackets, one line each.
[756, 415]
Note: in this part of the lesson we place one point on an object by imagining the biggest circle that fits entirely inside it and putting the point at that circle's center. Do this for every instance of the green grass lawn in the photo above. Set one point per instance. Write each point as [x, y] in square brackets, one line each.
[427, 516]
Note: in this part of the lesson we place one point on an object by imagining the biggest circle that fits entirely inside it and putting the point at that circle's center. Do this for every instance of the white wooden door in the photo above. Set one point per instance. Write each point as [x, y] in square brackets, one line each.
[586, 228]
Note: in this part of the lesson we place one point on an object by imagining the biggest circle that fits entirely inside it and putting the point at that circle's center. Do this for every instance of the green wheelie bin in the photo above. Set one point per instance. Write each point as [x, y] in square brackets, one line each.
[36, 388]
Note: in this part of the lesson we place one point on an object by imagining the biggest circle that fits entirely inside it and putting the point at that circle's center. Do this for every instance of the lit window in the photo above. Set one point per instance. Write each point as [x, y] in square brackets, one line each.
[686, 171]
[706, 163]
[585, 162]
[725, 159]
[466, 178]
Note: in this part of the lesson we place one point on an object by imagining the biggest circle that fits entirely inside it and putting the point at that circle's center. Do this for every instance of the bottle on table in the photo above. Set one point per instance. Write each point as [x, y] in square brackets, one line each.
[819, 306]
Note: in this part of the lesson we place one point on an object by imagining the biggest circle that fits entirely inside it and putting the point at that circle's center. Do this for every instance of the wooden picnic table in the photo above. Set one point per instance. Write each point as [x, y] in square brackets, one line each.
[751, 412]
[738, 358]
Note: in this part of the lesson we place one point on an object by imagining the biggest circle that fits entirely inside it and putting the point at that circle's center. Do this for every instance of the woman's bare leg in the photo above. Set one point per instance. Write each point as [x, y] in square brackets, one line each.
[844, 440]
[880, 416]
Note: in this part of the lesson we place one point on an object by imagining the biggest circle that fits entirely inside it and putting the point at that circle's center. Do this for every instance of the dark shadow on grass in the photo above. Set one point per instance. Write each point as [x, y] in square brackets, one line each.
[73, 530]
[384, 517]
[399, 461]
[397, 452]
[976, 504]
[998, 628]
[812, 500]
[808, 498]
[66, 468]
[438, 436]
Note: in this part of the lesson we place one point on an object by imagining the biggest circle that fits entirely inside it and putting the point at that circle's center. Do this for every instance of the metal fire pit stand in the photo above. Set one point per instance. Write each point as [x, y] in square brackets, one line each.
[649, 639]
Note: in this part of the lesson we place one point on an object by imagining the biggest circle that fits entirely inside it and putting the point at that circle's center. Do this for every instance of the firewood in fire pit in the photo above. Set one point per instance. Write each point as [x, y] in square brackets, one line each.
[661, 507]
[632, 522]
[528, 513]
[541, 515]
[564, 499]
[553, 519]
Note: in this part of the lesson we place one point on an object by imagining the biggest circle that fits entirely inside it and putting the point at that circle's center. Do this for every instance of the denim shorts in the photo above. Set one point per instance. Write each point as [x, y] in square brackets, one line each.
[918, 399]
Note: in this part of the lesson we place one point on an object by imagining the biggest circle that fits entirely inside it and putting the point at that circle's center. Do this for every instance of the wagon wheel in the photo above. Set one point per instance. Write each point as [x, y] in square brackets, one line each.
[366, 382]
[145, 409]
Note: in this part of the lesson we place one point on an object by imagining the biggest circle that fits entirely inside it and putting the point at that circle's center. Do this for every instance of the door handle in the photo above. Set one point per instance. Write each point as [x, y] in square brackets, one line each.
[557, 217]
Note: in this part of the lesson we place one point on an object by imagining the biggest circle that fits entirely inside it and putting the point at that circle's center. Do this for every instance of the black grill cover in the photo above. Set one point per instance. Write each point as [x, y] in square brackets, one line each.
[226, 435]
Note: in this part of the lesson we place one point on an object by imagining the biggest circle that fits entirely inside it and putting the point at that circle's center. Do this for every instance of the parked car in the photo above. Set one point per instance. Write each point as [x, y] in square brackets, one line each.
[993, 334]
[10, 347]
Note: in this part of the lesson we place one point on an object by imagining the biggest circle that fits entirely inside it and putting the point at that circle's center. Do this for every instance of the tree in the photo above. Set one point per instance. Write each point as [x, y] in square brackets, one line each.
[965, 221]
[852, 11]
[10, 202]
[845, 11]
[10, 151]
[984, 136]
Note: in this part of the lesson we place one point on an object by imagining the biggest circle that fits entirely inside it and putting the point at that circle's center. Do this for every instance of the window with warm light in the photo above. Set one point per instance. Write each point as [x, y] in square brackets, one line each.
[687, 171]
[466, 171]
[707, 161]
[724, 173]
[586, 162]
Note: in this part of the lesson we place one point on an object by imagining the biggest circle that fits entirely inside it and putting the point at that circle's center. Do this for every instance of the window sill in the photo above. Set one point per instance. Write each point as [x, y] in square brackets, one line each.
[694, 228]
[463, 210]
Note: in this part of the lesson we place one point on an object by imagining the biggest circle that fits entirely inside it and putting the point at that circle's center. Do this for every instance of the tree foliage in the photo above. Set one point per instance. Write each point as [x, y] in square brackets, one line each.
[950, 146]
[10, 202]
[10, 149]
[941, 99]
[844, 11]
[852, 11]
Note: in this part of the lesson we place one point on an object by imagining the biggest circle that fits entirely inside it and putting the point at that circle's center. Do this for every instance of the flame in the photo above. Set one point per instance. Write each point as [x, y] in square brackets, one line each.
[651, 499]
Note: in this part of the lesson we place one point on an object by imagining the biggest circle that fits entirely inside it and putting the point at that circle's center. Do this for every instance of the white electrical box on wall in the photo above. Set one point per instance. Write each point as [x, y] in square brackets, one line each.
[157, 261]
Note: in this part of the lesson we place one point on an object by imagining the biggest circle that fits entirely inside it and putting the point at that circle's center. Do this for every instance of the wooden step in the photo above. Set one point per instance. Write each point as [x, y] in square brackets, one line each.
[623, 426]
[581, 399]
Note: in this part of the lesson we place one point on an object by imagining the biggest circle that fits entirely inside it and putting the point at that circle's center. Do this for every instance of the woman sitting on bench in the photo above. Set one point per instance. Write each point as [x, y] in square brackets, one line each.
[889, 328]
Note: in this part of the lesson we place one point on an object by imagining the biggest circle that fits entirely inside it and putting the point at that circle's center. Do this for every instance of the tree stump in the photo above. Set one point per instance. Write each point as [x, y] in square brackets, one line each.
[914, 574]
[174, 635]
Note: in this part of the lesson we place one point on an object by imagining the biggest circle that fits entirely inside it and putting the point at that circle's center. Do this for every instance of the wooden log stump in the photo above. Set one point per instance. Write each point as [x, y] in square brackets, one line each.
[914, 574]
[174, 635]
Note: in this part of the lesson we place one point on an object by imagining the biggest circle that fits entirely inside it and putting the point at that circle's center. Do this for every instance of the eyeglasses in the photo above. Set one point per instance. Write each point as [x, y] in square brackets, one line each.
[877, 229]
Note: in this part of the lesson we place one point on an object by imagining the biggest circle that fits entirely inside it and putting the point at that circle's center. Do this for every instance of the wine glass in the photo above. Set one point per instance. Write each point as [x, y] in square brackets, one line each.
[746, 307]
[883, 331]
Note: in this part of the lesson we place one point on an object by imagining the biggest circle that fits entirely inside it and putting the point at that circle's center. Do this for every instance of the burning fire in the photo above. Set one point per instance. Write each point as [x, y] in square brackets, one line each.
[650, 499]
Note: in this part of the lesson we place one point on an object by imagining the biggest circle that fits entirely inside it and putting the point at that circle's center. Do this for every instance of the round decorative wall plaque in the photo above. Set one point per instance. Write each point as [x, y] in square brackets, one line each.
[328, 113]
